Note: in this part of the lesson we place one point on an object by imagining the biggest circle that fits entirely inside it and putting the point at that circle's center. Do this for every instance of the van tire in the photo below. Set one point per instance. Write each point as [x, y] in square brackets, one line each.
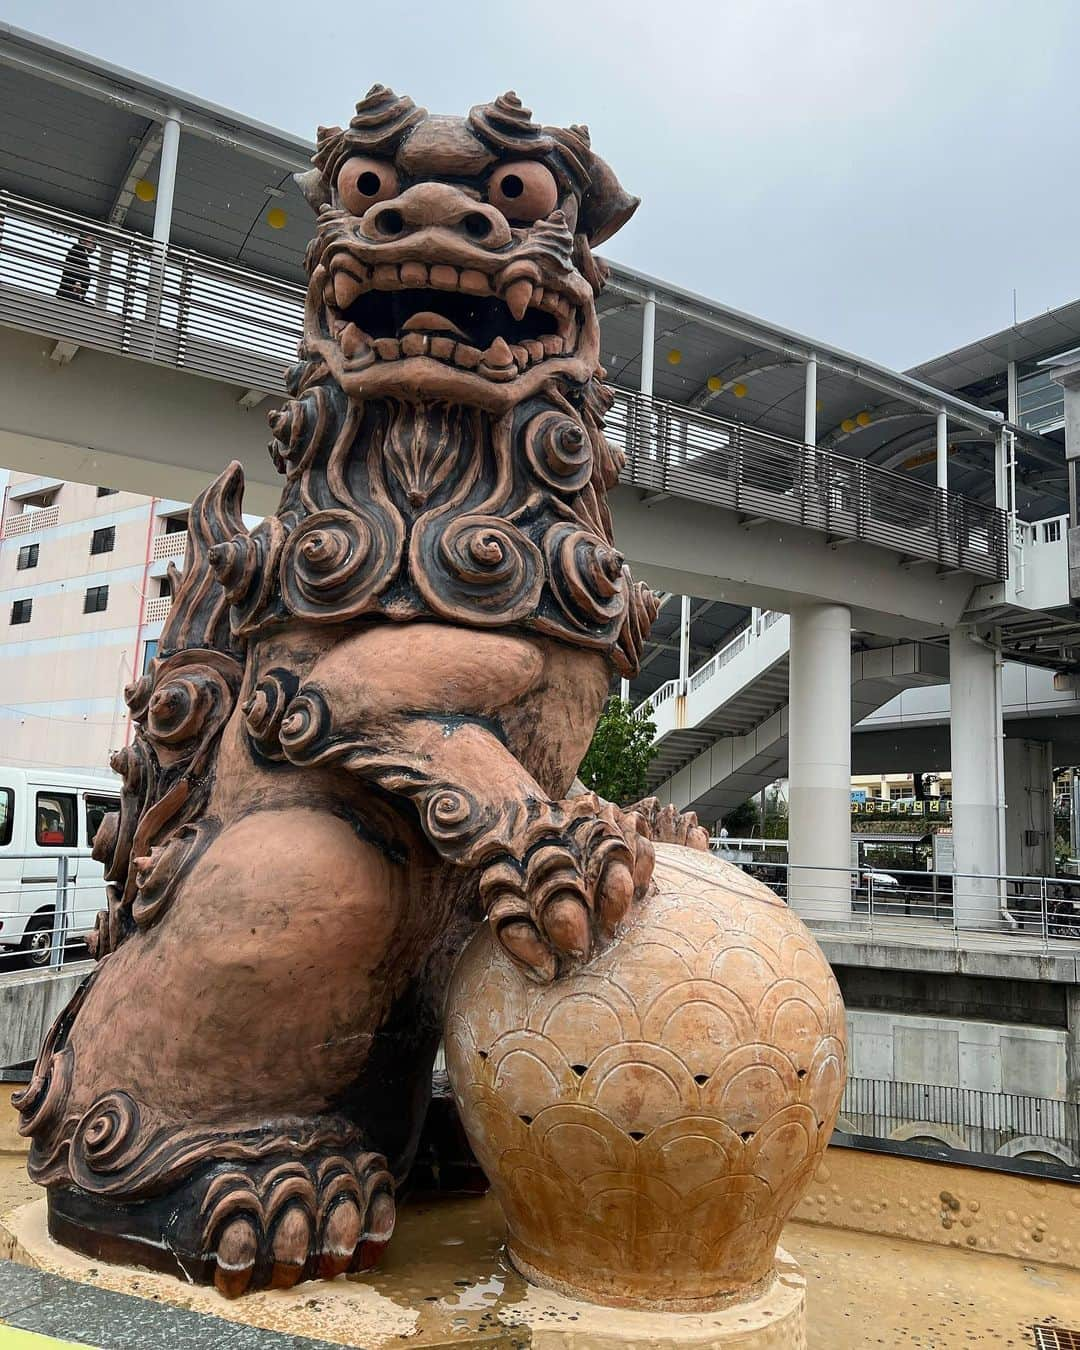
[37, 940]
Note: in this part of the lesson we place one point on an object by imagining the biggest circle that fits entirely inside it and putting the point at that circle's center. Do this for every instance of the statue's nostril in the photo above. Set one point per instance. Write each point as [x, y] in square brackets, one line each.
[477, 225]
[390, 222]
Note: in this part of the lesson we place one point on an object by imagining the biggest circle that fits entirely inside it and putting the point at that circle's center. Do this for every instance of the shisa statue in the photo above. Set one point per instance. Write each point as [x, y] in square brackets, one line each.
[357, 746]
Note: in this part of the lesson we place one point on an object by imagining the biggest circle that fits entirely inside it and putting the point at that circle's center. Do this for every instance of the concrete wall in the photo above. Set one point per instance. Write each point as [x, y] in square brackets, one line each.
[28, 1004]
[952, 1052]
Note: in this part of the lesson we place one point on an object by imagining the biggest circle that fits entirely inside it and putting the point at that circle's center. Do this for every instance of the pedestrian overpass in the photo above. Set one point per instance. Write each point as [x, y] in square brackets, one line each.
[763, 468]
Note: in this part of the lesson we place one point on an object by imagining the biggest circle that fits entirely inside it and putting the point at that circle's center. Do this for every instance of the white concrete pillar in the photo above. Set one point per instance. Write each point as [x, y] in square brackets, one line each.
[648, 344]
[819, 762]
[978, 778]
[684, 644]
[810, 403]
[1012, 394]
[1029, 807]
[943, 449]
[624, 690]
[166, 184]
[1001, 476]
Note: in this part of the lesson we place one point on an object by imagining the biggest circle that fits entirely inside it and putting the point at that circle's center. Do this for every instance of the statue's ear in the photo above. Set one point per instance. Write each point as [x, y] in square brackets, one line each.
[606, 205]
[313, 185]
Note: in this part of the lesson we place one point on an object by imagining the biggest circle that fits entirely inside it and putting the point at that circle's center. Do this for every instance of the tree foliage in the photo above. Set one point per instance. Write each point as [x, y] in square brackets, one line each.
[617, 761]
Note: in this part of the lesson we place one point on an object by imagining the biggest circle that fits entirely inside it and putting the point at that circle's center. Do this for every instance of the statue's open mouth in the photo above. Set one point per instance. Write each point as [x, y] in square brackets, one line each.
[496, 326]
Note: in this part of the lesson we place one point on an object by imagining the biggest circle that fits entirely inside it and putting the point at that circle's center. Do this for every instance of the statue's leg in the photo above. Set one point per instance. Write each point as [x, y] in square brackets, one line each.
[198, 1110]
[434, 725]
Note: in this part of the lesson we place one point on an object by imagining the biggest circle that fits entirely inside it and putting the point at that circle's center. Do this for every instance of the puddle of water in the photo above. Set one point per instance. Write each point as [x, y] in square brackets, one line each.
[447, 1261]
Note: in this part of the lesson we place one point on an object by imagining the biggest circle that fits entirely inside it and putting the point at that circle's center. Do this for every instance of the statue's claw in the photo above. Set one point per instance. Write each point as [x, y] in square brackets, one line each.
[573, 890]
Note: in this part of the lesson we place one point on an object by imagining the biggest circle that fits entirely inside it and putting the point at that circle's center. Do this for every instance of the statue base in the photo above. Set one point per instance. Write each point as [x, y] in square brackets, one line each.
[449, 1274]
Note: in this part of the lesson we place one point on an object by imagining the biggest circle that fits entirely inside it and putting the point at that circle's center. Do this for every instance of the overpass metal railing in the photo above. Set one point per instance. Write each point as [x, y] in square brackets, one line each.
[1003, 1123]
[182, 309]
[901, 907]
[678, 451]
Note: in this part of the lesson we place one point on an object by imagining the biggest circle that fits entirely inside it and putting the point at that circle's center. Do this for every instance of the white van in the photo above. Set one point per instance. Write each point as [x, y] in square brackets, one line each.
[45, 814]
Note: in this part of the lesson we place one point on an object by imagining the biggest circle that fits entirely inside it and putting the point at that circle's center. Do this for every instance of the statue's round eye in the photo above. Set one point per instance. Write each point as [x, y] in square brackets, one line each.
[524, 192]
[362, 182]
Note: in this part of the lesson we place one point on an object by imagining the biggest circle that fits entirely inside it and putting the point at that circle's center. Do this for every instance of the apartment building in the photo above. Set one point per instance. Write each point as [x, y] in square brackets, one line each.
[83, 593]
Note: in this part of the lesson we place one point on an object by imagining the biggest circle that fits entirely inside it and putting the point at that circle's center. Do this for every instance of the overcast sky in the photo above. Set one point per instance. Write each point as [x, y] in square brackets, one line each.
[877, 173]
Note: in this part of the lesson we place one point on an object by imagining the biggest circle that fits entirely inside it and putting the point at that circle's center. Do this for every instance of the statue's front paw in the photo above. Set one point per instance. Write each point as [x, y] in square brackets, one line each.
[572, 889]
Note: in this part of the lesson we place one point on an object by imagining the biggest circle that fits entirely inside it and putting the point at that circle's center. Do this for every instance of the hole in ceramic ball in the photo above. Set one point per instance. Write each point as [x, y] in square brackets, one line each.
[746, 1136]
[701, 1079]
[636, 1135]
[801, 1073]
[483, 1054]
[579, 1069]
[526, 1120]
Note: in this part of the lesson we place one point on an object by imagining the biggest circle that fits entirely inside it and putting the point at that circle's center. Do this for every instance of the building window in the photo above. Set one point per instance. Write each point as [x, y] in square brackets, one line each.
[97, 599]
[20, 611]
[28, 556]
[56, 821]
[149, 651]
[107, 492]
[103, 540]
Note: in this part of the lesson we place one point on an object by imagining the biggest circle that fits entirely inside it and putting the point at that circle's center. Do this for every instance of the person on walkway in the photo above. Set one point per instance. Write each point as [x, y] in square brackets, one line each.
[75, 279]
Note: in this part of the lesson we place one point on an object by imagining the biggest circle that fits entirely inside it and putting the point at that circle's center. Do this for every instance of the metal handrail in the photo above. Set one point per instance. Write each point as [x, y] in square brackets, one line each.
[179, 308]
[988, 1121]
[1031, 915]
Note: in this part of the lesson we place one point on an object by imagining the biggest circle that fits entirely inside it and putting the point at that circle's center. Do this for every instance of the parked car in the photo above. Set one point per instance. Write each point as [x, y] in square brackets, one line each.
[45, 814]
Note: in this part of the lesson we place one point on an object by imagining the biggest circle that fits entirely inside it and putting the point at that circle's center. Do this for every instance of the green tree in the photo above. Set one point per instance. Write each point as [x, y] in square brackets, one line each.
[617, 761]
[742, 822]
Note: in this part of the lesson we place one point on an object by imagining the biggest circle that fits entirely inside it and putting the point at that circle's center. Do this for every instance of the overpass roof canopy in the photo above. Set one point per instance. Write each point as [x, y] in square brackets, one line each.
[79, 134]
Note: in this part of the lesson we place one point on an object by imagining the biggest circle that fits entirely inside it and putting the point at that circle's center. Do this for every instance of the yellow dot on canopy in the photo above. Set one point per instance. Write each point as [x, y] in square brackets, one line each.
[863, 419]
[276, 218]
[714, 384]
[848, 424]
[739, 390]
[145, 190]
[674, 356]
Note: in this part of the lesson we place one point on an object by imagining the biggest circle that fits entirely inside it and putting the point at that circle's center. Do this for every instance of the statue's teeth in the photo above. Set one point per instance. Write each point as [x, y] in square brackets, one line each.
[466, 356]
[498, 355]
[351, 340]
[474, 283]
[518, 296]
[521, 356]
[444, 277]
[387, 349]
[552, 344]
[346, 289]
[386, 277]
[534, 348]
[414, 344]
[414, 274]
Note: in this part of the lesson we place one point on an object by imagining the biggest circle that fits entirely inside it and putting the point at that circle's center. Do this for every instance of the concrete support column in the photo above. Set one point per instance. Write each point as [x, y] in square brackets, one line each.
[166, 184]
[1072, 1042]
[943, 449]
[624, 690]
[163, 206]
[978, 778]
[684, 644]
[1029, 813]
[819, 762]
[810, 403]
[1001, 475]
[648, 344]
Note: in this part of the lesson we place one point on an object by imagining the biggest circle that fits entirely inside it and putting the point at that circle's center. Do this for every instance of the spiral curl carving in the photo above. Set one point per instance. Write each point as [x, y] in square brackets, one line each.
[476, 569]
[454, 819]
[264, 712]
[180, 708]
[559, 452]
[158, 873]
[587, 579]
[104, 1138]
[304, 727]
[301, 427]
[335, 564]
